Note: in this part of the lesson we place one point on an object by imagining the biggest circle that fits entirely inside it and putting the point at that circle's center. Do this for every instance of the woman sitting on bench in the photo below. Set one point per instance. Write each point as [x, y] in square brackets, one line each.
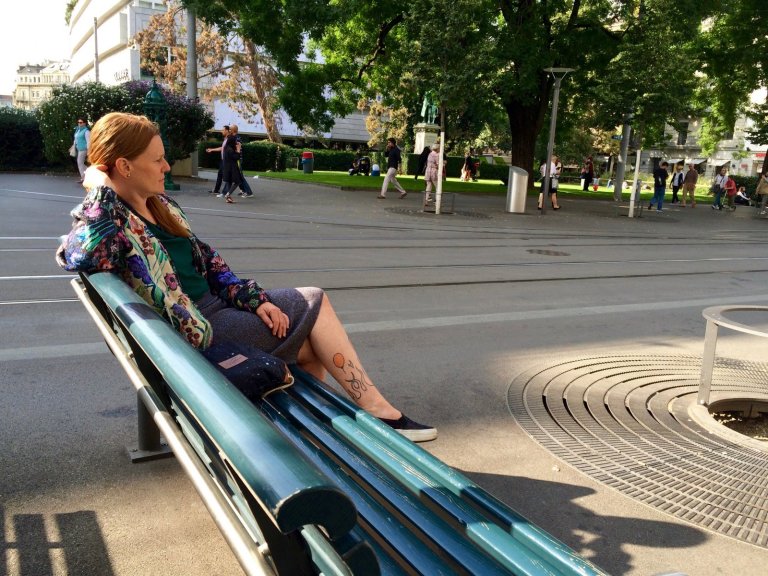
[127, 225]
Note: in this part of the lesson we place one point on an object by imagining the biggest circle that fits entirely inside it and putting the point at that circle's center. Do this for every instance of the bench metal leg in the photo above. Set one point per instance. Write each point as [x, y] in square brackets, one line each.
[150, 446]
[707, 363]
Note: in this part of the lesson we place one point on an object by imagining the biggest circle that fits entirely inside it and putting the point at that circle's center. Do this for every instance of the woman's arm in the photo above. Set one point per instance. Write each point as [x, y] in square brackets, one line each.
[242, 294]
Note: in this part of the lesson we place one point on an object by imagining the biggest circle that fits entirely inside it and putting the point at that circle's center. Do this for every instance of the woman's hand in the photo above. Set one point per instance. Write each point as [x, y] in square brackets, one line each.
[95, 176]
[274, 318]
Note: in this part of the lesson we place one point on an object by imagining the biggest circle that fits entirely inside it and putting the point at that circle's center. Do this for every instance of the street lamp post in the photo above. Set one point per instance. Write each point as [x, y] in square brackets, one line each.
[155, 108]
[558, 74]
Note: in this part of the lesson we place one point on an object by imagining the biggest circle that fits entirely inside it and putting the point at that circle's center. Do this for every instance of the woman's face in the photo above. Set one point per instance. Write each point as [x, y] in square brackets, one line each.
[148, 170]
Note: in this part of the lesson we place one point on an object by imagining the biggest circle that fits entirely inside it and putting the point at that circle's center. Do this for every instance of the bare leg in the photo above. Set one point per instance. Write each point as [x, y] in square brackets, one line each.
[328, 348]
[553, 198]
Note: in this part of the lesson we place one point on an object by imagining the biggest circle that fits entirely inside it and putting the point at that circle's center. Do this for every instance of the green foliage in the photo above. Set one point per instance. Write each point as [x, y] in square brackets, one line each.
[261, 156]
[58, 114]
[186, 121]
[453, 165]
[20, 139]
[749, 183]
[486, 61]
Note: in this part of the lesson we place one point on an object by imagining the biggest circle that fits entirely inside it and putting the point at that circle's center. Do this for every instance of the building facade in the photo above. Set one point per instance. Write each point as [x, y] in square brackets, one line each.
[736, 152]
[35, 82]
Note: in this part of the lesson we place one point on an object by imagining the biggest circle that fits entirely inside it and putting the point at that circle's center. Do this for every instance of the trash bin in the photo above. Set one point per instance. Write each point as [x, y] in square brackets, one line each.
[375, 170]
[308, 161]
[517, 189]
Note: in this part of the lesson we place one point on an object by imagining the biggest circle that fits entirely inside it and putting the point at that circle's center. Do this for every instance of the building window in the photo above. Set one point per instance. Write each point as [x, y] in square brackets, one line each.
[682, 133]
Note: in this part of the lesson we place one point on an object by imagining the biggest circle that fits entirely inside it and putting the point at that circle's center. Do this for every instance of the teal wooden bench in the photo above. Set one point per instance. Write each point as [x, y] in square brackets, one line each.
[303, 481]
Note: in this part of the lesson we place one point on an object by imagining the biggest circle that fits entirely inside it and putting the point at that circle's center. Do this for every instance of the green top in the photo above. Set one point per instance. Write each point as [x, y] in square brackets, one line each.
[180, 251]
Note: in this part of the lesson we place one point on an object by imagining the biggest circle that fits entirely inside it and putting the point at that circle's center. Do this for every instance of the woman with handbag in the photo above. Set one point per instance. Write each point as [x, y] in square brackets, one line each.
[127, 225]
[81, 142]
[718, 187]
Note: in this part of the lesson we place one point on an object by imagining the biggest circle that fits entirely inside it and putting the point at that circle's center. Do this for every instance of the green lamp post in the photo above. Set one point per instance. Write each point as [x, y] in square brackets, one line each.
[155, 108]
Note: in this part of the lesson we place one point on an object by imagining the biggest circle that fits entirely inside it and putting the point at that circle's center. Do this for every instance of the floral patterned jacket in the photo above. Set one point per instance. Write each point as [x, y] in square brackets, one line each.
[107, 235]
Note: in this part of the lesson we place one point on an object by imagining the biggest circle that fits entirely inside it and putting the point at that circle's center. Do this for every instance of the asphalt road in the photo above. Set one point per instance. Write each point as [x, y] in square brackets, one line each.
[446, 311]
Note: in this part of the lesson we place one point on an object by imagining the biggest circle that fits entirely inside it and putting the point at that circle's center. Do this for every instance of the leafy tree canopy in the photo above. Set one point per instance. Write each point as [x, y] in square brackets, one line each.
[657, 59]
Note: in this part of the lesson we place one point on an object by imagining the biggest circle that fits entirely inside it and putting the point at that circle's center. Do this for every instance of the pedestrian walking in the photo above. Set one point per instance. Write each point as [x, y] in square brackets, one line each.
[588, 173]
[555, 168]
[676, 182]
[689, 185]
[660, 176]
[230, 171]
[394, 159]
[225, 134]
[761, 190]
[718, 187]
[730, 193]
[81, 142]
[245, 187]
[431, 172]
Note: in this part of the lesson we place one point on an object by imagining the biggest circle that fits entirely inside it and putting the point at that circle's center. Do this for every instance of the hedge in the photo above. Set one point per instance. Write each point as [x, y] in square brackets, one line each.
[454, 164]
[20, 140]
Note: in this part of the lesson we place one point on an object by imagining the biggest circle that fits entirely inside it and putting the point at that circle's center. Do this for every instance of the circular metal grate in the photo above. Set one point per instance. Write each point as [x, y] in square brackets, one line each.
[625, 421]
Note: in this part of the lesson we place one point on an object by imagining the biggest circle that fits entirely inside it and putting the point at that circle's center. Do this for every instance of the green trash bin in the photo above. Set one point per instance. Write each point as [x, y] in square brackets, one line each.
[308, 162]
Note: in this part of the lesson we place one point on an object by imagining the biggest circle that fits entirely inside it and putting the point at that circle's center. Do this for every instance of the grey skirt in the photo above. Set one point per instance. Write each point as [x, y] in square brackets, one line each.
[301, 305]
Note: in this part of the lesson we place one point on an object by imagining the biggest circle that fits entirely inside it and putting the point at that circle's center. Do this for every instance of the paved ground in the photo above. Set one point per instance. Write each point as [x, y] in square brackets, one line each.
[452, 314]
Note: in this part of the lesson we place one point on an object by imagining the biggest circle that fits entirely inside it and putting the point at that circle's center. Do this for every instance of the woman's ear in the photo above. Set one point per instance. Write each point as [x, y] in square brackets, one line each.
[123, 167]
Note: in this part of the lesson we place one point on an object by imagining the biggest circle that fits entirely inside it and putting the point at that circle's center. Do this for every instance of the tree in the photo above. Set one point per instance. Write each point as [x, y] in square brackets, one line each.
[734, 55]
[637, 55]
[243, 76]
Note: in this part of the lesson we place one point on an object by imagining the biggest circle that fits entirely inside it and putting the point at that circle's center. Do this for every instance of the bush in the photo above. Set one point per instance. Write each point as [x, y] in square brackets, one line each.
[186, 120]
[749, 183]
[337, 160]
[20, 140]
[454, 164]
[260, 156]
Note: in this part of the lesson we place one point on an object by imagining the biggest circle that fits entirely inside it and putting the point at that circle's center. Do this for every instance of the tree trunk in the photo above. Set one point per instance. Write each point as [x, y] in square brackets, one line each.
[262, 88]
[525, 122]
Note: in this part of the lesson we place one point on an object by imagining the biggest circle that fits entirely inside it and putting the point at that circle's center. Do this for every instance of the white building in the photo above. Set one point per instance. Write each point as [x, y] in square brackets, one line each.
[35, 82]
[735, 151]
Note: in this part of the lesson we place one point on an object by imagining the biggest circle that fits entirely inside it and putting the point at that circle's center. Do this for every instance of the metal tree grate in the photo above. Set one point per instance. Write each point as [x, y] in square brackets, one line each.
[624, 421]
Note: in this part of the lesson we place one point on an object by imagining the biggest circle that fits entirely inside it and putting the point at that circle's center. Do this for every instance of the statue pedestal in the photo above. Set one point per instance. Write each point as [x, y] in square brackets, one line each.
[425, 135]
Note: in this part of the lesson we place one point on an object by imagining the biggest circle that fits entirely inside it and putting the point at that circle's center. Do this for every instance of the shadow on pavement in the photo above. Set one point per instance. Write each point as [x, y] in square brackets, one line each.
[79, 539]
[596, 537]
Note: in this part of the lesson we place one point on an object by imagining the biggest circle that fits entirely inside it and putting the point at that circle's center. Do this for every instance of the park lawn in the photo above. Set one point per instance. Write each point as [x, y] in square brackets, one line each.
[482, 187]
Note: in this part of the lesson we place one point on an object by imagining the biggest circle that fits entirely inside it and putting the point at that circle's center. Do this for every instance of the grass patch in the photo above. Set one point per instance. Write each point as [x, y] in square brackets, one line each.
[481, 187]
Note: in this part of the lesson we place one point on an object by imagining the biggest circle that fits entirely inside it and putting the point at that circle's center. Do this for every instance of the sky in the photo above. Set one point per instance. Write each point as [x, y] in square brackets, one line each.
[31, 38]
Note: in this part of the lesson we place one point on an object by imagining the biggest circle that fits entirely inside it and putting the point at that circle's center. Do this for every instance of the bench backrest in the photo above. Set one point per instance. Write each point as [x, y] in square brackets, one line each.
[283, 491]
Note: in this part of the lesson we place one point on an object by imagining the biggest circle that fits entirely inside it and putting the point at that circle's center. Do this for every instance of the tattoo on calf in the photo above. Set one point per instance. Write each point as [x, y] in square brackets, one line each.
[354, 376]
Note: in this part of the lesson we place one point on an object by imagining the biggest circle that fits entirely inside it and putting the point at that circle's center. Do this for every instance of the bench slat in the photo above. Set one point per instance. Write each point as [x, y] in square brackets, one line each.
[502, 540]
[293, 492]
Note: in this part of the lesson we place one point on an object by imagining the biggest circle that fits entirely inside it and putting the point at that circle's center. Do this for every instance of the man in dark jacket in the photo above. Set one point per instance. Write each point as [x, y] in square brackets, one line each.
[244, 186]
[220, 150]
[660, 176]
[394, 158]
